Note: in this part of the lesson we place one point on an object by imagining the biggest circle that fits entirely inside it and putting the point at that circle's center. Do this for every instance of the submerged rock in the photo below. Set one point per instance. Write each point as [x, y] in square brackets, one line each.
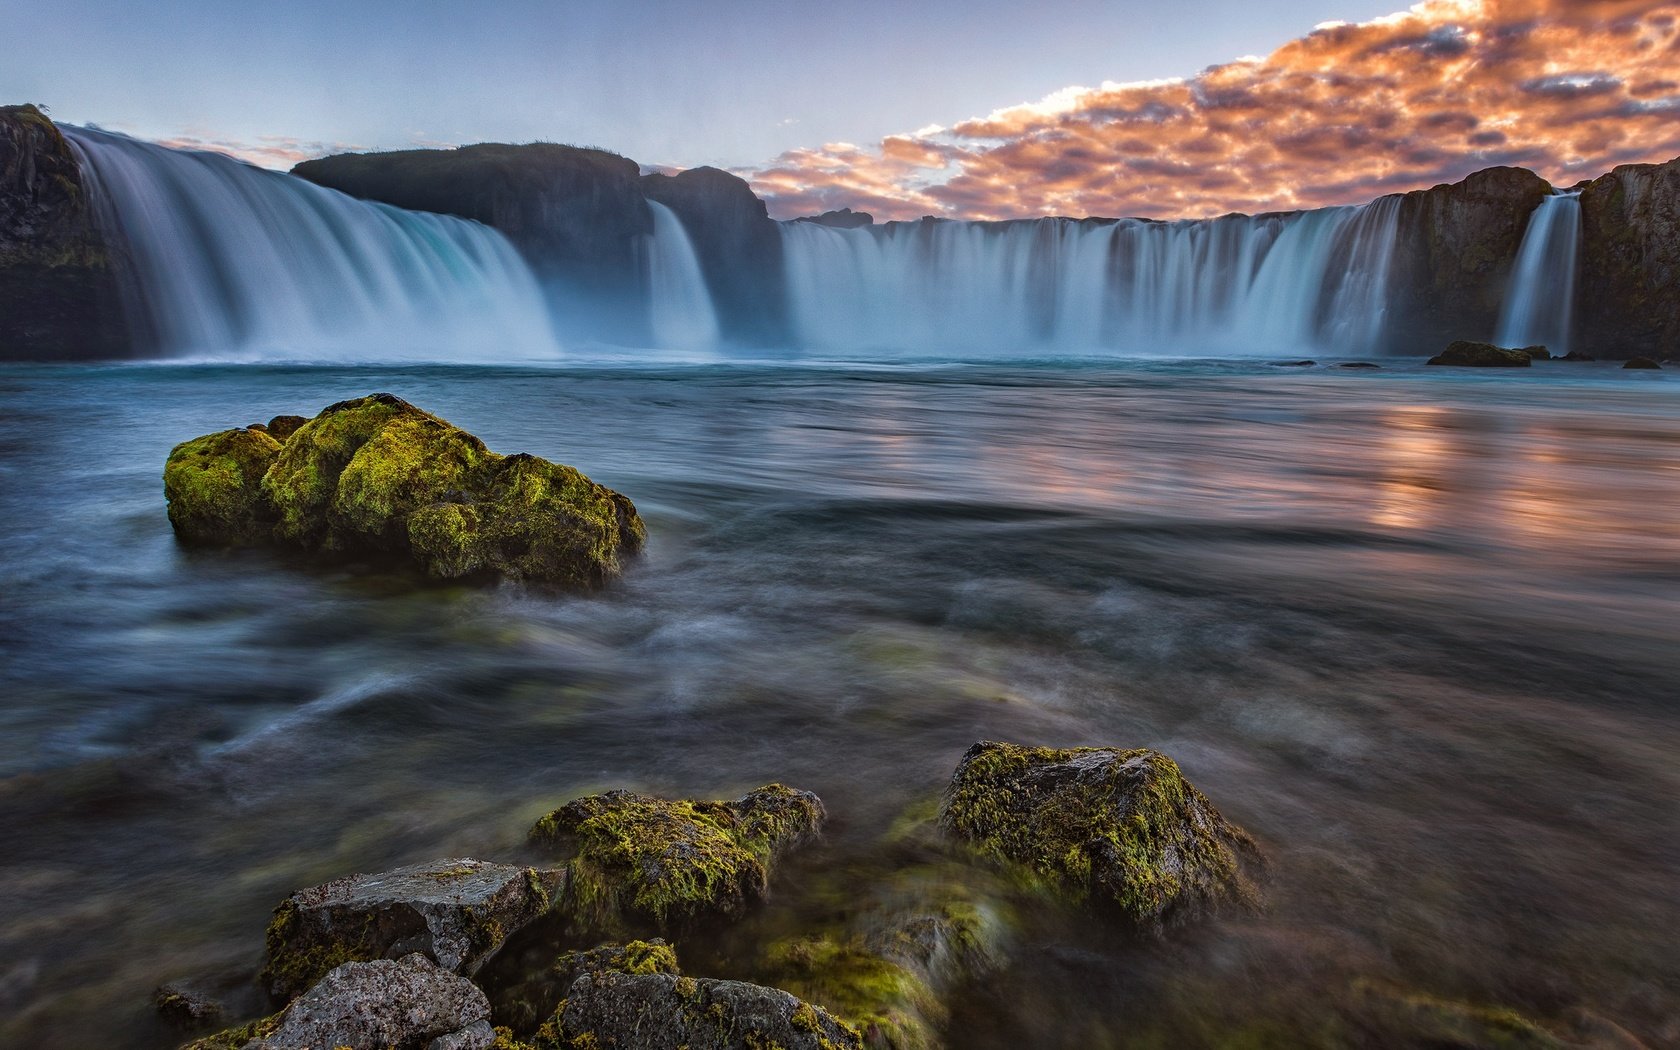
[214, 488]
[376, 475]
[187, 1004]
[1467, 353]
[1121, 829]
[641, 862]
[457, 912]
[1576, 355]
[618, 1011]
[405, 1004]
[1641, 362]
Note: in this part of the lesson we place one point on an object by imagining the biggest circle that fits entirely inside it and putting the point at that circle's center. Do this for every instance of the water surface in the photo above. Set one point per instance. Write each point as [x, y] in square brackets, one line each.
[1415, 630]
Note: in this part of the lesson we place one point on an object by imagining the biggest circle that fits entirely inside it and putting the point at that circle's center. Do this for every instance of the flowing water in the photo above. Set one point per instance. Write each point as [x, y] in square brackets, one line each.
[1541, 303]
[1283, 283]
[233, 261]
[1415, 630]
[680, 309]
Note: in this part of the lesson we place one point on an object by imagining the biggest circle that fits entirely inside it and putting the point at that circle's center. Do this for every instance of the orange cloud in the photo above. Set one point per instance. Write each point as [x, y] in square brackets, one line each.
[1569, 88]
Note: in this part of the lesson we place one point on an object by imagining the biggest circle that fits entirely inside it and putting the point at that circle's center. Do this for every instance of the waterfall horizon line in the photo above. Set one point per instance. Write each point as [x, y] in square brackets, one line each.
[232, 261]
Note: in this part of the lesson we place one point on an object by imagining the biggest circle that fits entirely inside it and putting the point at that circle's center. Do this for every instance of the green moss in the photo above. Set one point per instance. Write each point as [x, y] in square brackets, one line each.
[645, 862]
[888, 1004]
[235, 1038]
[303, 482]
[378, 474]
[295, 961]
[1123, 829]
[214, 487]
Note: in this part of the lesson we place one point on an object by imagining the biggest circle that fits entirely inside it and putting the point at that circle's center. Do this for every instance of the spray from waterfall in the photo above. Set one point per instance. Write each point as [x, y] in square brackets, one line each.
[229, 260]
[1234, 285]
[1539, 307]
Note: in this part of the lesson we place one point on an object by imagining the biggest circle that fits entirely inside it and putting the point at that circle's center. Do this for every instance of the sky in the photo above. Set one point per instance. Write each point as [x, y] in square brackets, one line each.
[965, 108]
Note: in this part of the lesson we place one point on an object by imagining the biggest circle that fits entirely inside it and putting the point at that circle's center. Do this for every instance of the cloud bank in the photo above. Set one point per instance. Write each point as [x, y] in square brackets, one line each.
[1569, 88]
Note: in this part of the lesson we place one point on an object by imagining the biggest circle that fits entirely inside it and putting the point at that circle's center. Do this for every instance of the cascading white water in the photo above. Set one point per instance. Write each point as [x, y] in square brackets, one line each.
[1540, 304]
[681, 314]
[1238, 284]
[230, 260]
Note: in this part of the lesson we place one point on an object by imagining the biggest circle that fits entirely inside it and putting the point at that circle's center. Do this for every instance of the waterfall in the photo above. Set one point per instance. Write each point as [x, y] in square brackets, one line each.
[1234, 285]
[680, 306]
[1540, 304]
[229, 260]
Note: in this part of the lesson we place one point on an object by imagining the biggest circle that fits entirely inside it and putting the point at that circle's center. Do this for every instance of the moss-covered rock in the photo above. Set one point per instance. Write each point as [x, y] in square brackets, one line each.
[1121, 829]
[378, 476]
[214, 488]
[619, 1011]
[521, 1007]
[1467, 353]
[1641, 363]
[458, 912]
[645, 863]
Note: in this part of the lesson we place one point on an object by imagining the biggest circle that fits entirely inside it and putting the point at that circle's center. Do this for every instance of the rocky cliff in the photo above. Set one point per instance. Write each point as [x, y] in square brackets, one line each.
[58, 291]
[1454, 254]
[1628, 289]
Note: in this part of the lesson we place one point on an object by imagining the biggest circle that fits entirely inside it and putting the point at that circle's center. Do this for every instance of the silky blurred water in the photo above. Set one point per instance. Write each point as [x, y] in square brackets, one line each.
[1416, 629]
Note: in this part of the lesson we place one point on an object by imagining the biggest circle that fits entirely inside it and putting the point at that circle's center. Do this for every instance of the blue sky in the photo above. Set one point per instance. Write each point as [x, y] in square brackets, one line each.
[732, 84]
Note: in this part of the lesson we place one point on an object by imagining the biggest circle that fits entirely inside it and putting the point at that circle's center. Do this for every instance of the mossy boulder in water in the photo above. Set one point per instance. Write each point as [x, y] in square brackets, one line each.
[1468, 354]
[645, 863]
[1121, 829]
[458, 912]
[376, 475]
[214, 488]
[619, 1011]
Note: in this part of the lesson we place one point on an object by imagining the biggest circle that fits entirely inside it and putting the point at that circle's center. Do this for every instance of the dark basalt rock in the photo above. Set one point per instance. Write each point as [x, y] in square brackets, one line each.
[1641, 362]
[1576, 355]
[1119, 829]
[1467, 354]
[1357, 364]
[378, 476]
[1453, 258]
[58, 277]
[282, 427]
[457, 912]
[843, 219]
[644, 863]
[1628, 289]
[387, 1004]
[738, 245]
[1538, 353]
[617, 1011]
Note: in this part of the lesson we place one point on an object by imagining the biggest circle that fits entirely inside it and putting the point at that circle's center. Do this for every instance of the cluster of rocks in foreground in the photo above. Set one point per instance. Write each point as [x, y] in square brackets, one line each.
[377, 477]
[403, 958]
